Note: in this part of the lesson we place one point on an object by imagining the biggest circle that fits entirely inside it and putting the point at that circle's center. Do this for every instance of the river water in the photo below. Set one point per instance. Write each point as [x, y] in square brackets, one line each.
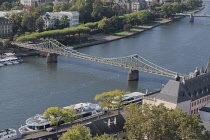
[31, 87]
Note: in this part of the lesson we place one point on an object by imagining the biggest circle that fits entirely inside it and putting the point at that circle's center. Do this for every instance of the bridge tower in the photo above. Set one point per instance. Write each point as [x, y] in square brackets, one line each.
[191, 18]
[133, 75]
[52, 58]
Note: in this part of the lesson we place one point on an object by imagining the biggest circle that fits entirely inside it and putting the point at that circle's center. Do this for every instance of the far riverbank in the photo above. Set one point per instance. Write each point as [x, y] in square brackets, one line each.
[104, 38]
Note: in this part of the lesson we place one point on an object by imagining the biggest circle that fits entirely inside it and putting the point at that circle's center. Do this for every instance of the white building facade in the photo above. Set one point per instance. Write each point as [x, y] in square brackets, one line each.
[51, 17]
[28, 2]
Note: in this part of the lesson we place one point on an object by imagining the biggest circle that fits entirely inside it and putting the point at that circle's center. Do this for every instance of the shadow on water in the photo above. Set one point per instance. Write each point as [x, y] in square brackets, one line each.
[107, 68]
[132, 86]
[52, 66]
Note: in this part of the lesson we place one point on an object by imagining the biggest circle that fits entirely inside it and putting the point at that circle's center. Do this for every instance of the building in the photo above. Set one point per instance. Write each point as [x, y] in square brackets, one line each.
[5, 28]
[51, 17]
[112, 125]
[137, 5]
[190, 94]
[28, 2]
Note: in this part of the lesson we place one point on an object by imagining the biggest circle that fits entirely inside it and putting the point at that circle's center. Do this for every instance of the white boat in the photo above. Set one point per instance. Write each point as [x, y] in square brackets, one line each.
[10, 60]
[134, 97]
[39, 123]
[8, 134]
[1, 64]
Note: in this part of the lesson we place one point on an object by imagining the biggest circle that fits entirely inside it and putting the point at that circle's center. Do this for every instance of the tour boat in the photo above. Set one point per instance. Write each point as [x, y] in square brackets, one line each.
[134, 97]
[39, 123]
[8, 134]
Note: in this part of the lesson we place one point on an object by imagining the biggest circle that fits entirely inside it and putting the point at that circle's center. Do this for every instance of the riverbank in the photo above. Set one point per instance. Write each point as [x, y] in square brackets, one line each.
[104, 38]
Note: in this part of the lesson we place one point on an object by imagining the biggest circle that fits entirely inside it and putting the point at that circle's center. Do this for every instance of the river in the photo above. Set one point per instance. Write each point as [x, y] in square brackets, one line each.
[31, 87]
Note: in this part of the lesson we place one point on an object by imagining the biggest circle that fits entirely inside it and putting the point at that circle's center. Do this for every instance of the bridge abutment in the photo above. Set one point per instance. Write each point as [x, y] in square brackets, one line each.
[133, 75]
[51, 58]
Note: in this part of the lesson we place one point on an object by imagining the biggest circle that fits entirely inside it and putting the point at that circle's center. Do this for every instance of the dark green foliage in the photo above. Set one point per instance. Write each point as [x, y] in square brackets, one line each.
[55, 34]
[161, 123]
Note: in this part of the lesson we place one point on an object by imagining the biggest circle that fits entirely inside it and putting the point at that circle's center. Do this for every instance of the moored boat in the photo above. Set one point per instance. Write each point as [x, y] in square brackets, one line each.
[38, 123]
[10, 60]
[8, 134]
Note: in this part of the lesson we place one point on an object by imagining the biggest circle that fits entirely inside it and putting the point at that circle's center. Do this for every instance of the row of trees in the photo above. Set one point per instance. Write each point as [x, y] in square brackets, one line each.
[106, 25]
[168, 9]
[56, 34]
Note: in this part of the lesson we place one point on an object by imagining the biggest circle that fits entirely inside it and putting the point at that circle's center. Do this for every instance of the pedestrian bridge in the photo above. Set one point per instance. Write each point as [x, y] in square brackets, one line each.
[192, 15]
[133, 62]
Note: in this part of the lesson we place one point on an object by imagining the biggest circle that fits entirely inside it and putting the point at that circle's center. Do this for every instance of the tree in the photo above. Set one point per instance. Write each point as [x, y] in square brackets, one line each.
[56, 115]
[104, 137]
[77, 132]
[40, 24]
[60, 6]
[159, 122]
[64, 22]
[104, 24]
[110, 99]
[6, 6]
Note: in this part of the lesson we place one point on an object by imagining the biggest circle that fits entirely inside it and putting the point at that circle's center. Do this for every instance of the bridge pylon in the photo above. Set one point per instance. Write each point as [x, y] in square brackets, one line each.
[52, 58]
[191, 18]
[133, 75]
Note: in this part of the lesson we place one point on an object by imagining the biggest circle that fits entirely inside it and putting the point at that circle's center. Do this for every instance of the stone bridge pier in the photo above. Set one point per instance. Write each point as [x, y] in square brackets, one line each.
[133, 75]
[51, 58]
[191, 18]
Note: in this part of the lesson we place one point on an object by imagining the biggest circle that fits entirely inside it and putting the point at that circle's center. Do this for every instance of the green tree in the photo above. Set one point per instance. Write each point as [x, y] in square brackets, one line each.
[167, 10]
[110, 99]
[60, 6]
[56, 115]
[40, 24]
[159, 122]
[6, 6]
[104, 137]
[79, 132]
[64, 21]
[76, 132]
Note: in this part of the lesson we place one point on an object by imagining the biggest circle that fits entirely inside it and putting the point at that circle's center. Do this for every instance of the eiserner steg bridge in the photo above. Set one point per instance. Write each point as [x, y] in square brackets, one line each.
[191, 15]
[134, 62]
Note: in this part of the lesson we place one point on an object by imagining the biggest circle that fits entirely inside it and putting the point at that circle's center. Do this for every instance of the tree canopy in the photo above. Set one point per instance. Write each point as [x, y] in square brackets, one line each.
[110, 99]
[161, 123]
[79, 132]
[56, 115]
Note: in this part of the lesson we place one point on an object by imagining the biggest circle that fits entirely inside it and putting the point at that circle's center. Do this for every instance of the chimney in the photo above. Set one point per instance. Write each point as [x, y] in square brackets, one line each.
[177, 78]
[197, 72]
[108, 122]
[115, 120]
